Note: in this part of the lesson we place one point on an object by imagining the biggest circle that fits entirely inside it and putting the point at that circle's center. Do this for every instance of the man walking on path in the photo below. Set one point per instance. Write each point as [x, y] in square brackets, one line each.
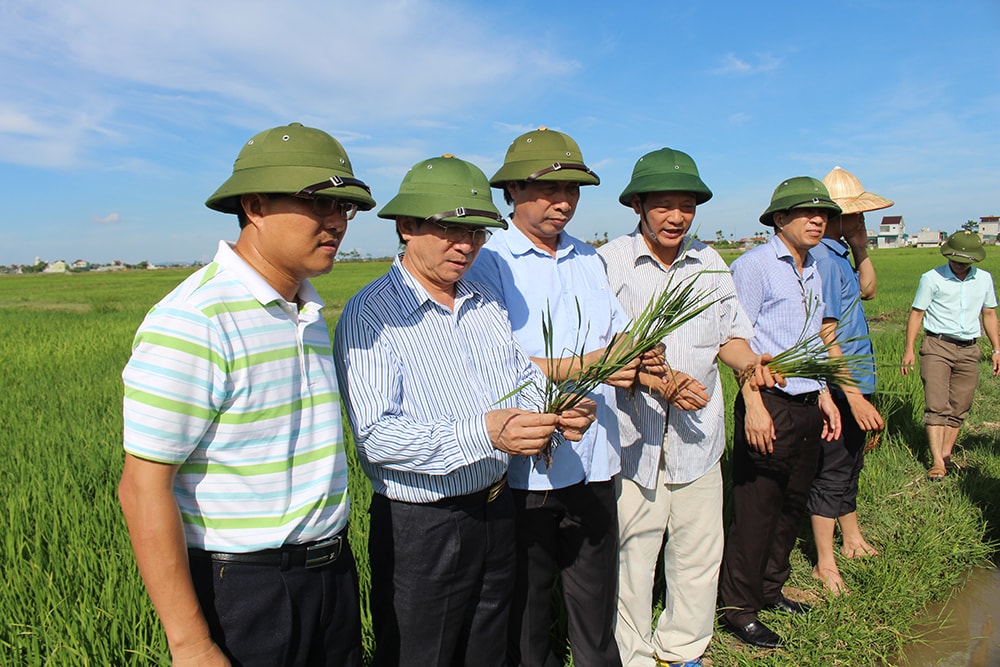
[567, 521]
[428, 369]
[950, 302]
[672, 440]
[777, 432]
[833, 498]
[235, 478]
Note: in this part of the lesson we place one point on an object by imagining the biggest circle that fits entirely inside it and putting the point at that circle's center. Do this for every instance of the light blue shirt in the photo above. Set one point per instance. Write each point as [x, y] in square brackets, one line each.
[695, 439]
[573, 288]
[842, 302]
[952, 306]
[417, 380]
[783, 305]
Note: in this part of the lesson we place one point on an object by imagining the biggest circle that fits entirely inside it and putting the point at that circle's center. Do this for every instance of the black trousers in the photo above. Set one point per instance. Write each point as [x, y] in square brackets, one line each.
[282, 616]
[442, 575]
[769, 498]
[572, 531]
[835, 490]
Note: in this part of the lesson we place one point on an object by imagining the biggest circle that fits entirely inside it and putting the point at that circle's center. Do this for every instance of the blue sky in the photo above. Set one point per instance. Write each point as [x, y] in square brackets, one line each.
[118, 120]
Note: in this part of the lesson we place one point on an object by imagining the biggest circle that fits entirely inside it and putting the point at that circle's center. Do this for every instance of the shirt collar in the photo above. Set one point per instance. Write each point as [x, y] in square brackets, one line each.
[259, 288]
[641, 251]
[520, 244]
[414, 296]
[781, 251]
[951, 274]
[836, 246]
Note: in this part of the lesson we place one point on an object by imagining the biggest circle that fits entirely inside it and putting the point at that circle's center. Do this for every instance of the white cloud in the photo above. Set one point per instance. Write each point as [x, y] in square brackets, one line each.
[761, 63]
[243, 63]
[110, 218]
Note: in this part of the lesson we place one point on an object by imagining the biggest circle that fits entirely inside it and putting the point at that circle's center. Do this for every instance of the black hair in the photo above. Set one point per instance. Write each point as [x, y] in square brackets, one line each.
[520, 185]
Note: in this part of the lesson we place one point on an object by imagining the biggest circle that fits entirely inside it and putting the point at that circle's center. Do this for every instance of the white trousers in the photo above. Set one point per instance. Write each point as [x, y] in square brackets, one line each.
[690, 515]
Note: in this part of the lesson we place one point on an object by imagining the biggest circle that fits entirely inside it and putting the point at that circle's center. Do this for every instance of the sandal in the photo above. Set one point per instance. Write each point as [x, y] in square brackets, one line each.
[936, 473]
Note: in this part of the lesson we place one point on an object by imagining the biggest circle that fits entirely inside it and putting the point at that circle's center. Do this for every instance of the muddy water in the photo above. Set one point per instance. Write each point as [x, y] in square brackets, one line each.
[971, 635]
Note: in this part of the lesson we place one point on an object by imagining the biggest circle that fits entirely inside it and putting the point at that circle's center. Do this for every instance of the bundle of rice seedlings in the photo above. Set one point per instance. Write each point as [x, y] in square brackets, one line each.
[677, 304]
[810, 358]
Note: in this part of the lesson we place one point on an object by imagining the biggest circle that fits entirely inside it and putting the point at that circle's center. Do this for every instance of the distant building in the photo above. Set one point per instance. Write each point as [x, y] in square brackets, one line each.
[989, 226]
[80, 265]
[891, 233]
[928, 238]
[58, 266]
[752, 241]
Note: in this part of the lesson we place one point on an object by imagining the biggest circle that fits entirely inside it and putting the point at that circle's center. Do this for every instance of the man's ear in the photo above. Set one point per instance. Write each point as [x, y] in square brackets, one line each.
[253, 206]
[406, 226]
[636, 204]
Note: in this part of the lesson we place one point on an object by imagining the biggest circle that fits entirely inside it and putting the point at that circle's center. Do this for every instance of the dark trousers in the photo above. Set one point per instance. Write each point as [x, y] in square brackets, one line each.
[442, 575]
[282, 616]
[769, 497]
[835, 490]
[573, 530]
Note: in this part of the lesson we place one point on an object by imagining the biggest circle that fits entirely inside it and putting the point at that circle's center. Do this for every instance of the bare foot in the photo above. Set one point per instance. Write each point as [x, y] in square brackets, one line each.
[831, 580]
[859, 548]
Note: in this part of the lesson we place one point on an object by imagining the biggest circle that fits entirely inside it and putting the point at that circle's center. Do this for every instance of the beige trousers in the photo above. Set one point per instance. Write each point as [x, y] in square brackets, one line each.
[690, 515]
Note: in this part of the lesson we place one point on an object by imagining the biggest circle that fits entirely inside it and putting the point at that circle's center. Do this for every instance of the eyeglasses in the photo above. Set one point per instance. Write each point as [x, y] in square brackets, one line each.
[326, 206]
[464, 233]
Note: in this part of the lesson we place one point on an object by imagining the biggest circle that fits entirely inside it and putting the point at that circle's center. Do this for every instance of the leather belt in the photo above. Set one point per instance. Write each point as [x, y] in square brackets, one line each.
[309, 556]
[808, 398]
[961, 342]
[483, 497]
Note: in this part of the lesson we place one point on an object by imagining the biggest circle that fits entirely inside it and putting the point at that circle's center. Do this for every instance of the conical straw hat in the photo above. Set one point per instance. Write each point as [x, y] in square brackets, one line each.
[846, 190]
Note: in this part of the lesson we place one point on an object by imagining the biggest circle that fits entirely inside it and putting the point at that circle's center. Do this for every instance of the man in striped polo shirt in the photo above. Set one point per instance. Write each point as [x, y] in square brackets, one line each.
[430, 374]
[235, 479]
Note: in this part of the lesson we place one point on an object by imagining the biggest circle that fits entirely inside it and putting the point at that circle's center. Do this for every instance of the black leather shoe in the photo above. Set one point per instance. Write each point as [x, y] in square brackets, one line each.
[757, 634]
[790, 606]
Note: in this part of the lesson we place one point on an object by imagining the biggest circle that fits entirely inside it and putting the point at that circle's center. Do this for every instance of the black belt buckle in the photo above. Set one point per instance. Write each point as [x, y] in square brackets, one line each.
[323, 553]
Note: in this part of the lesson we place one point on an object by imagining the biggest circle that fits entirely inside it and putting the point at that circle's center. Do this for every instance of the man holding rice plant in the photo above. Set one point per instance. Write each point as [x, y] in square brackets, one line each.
[235, 479]
[833, 497]
[566, 512]
[777, 432]
[430, 373]
[954, 304]
[672, 440]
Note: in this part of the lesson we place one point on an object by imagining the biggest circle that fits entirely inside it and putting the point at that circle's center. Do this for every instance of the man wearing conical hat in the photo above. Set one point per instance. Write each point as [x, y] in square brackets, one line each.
[235, 479]
[777, 432]
[833, 497]
[670, 498]
[429, 371]
[954, 304]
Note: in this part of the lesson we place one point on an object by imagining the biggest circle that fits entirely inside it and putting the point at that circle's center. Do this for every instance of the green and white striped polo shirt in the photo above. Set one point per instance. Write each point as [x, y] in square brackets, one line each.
[238, 387]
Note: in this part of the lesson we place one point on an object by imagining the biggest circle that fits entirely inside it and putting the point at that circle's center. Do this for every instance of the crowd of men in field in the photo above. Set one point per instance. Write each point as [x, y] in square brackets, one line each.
[235, 480]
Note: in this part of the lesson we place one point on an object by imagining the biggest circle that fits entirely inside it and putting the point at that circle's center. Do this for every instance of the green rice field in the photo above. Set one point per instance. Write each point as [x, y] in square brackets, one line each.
[73, 595]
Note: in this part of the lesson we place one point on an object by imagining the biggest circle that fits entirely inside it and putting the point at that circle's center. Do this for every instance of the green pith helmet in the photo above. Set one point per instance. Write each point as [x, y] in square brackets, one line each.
[964, 247]
[544, 155]
[291, 159]
[799, 192]
[665, 170]
[445, 189]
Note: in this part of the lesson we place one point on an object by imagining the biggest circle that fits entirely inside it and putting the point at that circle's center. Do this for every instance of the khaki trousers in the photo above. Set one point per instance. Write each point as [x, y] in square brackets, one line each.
[690, 516]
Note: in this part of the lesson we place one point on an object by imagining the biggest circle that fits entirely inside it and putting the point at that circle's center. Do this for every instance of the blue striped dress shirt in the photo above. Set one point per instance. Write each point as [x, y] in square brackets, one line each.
[777, 299]
[417, 380]
[573, 288]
